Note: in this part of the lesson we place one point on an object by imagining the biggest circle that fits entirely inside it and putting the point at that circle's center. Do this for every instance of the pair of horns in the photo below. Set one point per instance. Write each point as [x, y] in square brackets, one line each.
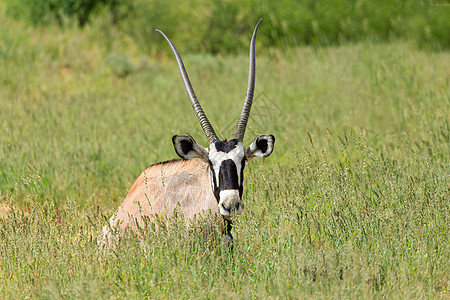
[243, 119]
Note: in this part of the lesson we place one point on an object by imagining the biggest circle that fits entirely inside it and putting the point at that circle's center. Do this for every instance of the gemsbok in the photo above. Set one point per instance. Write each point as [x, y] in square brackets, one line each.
[205, 180]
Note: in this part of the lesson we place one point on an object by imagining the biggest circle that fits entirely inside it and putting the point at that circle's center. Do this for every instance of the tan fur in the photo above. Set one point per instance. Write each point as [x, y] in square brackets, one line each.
[159, 189]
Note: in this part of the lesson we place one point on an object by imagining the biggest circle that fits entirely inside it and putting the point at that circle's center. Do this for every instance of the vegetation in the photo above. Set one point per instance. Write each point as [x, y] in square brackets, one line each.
[222, 26]
[352, 203]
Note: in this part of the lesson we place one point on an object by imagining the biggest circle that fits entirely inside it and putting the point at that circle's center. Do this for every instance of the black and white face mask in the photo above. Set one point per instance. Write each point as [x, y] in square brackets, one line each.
[226, 161]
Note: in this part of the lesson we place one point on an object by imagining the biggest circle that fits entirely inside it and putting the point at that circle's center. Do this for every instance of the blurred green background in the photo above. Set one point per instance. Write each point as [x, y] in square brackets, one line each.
[221, 26]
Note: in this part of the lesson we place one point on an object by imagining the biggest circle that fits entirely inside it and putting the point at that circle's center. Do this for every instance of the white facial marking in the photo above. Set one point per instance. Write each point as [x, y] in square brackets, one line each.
[236, 155]
[230, 199]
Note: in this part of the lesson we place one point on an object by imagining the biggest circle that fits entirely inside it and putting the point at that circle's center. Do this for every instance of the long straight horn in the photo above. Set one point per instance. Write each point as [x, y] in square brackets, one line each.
[206, 126]
[243, 119]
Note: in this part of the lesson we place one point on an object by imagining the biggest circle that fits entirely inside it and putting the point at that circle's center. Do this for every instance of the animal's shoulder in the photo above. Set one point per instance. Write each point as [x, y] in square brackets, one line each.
[175, 167]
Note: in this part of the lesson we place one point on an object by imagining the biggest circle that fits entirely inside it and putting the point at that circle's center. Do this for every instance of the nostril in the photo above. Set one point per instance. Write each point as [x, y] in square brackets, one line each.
[226, 208]
[237, 206]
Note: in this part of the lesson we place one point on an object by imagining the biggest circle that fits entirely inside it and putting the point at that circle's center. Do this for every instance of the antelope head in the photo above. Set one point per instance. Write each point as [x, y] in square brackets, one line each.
[226, 159]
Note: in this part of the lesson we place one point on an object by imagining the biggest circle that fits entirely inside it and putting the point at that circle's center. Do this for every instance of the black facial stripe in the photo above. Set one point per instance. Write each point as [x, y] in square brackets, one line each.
[226, 146]
[215, 186]
[241, 185]
[228, 177]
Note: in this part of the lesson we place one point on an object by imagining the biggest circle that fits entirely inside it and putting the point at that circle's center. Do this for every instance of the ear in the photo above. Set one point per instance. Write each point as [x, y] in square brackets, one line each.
[186, 147]
[262, 146]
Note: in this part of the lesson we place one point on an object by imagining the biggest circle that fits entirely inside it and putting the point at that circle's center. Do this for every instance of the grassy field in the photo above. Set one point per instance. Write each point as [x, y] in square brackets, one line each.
[354, 201]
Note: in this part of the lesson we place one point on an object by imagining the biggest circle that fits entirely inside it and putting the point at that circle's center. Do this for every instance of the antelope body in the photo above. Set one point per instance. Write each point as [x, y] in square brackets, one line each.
[205, 181]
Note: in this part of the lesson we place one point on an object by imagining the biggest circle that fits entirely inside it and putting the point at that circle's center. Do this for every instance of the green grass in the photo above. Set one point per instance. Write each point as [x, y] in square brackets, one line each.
[223, 26]
[354, 201]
